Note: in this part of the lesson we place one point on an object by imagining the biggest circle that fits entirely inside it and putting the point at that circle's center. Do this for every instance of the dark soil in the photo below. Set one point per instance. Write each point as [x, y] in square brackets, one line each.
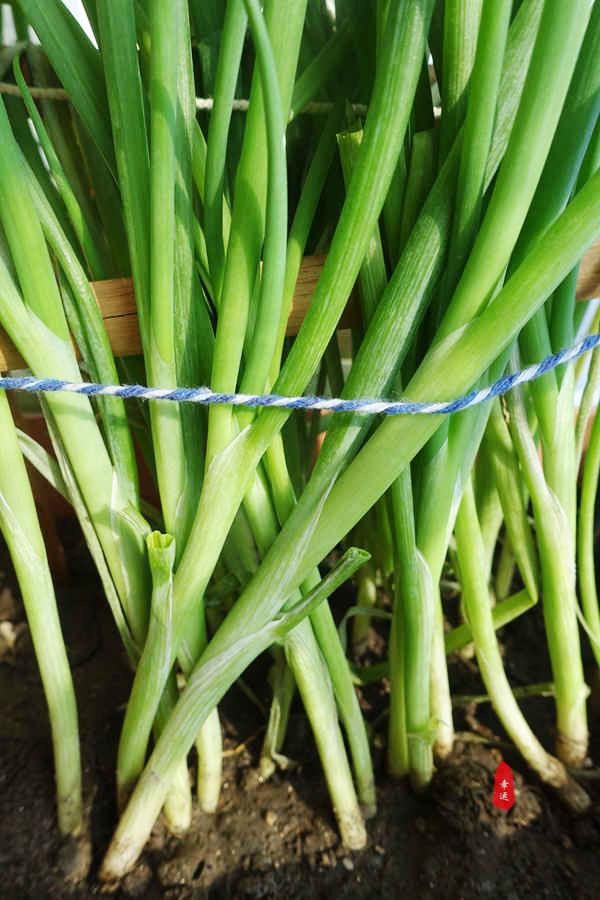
[278, 838]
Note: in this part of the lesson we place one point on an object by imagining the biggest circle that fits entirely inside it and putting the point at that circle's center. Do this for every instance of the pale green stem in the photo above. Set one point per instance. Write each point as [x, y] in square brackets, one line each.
[21, 531]
[479, 612]
[586, 557]
[557, 555]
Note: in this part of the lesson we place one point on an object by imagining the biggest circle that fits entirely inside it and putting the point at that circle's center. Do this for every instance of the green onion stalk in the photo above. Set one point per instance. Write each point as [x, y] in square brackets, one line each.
[479, 612]
[489, 507]
[461, 26]
[558, 591]
[501, 456]
[21, 531]
[585, 539]
[589, 456]
[372, 280]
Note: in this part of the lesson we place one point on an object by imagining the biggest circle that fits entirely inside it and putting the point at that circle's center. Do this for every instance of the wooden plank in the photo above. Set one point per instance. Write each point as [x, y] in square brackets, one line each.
[124, 335]
[588, 282]
[305, 286]
[117, 302]
[10, 358]
[115, 297]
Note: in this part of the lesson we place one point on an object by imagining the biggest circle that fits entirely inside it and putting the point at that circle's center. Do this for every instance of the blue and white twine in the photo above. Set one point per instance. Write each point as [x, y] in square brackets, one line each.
[205, 397]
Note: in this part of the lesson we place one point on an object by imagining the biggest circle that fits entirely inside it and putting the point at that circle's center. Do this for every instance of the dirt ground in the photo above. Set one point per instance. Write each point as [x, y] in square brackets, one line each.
[278, 838]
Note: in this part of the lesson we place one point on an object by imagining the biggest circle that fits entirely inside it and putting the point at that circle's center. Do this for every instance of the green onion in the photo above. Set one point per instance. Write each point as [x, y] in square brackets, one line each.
[21, 531]
[467, 193]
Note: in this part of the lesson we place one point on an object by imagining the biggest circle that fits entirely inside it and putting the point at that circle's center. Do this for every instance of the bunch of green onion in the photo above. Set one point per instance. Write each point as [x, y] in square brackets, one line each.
[444, 156]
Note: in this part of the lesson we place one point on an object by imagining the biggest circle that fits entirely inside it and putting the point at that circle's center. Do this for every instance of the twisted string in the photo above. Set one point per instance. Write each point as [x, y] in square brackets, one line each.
[205, 397]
